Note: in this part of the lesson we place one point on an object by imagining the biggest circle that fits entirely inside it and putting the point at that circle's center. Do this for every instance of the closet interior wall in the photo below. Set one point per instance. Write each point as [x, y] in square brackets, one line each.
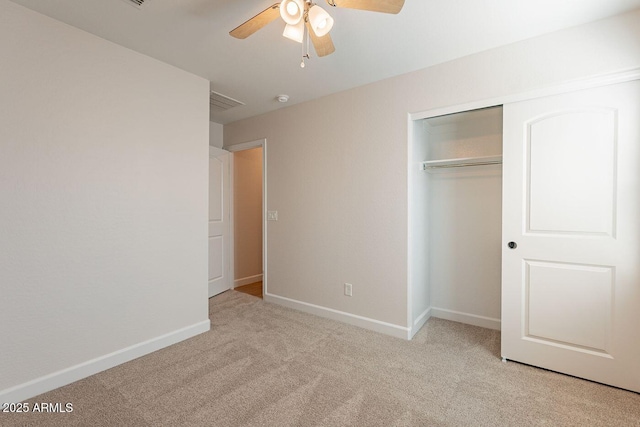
[457, 218]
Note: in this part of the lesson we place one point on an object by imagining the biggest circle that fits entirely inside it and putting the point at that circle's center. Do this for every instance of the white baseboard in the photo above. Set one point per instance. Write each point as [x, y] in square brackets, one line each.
[61, 378]
[419, 322]
[470, 319]
[247, 280]
[341, 316]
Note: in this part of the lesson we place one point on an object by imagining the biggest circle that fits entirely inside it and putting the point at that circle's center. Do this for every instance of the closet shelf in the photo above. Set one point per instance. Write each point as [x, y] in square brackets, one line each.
[461, 162]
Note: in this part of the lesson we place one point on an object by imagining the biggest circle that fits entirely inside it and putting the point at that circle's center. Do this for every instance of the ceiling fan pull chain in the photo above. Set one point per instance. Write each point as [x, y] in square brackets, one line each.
[308, 36]
[304, 35]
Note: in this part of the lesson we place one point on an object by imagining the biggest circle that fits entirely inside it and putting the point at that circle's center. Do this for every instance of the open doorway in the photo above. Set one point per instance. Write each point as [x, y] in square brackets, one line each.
[247, 218]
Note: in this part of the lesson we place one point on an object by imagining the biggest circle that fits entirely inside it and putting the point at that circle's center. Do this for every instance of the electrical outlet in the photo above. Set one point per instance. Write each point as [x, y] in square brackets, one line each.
[348, 289]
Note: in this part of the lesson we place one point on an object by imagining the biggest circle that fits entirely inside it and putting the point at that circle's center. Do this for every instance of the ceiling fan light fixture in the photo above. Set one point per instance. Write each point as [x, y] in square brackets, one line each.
[291, 11]
[294, 32]
[321, 22]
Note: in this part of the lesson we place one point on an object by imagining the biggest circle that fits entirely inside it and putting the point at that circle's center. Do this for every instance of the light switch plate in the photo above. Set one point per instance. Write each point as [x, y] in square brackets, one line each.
[348, 289]
[272, 215]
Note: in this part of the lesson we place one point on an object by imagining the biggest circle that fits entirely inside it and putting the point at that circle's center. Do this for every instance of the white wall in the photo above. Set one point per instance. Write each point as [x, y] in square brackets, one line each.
[337, 166]
[215, 134]
[247, 216]
[103, 182]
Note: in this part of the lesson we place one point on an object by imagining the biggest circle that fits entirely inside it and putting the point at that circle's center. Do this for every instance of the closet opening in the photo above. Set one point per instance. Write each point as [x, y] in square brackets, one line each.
[455, 218]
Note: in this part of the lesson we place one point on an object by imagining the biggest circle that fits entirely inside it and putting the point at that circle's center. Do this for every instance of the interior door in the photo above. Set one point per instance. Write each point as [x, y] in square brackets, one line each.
[571, 235]
[219, 280]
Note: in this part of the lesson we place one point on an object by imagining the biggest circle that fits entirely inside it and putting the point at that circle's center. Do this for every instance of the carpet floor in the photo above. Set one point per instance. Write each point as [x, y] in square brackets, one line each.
[265, 365]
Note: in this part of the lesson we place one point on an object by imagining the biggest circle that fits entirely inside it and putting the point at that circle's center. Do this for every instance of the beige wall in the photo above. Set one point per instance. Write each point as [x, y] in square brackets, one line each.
[337, 166]
[247, 215]
[215, 134]
[103, 225]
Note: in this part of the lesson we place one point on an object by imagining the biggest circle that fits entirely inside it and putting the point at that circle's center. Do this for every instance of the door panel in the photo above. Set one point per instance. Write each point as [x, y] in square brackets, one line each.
[579, 202]
[568, 304]
[216, 257]
[219, 280]
[571, 203]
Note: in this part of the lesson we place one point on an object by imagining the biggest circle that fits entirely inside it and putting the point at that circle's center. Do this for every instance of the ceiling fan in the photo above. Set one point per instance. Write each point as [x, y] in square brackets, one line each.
[303, 17]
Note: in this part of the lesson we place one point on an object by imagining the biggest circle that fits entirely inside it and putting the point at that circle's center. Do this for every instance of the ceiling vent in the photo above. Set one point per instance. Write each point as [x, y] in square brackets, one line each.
[136, 3]
[221, 102]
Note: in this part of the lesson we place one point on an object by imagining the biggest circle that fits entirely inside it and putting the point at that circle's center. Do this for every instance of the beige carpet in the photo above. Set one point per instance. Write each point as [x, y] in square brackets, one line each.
[265, 365]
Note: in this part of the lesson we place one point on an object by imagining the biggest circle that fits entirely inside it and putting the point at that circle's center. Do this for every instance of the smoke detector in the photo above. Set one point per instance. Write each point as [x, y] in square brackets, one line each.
[282, 98]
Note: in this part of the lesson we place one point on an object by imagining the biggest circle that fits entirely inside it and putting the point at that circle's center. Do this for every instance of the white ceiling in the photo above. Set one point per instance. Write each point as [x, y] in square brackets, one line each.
[193, 35]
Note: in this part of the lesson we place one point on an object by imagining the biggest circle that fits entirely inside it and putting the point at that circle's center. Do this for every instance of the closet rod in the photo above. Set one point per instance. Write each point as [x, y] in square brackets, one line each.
[461, 162]
[462, 165]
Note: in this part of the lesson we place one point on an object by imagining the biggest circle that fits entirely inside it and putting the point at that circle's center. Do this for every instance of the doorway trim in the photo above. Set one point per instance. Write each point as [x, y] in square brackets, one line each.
[232, 149]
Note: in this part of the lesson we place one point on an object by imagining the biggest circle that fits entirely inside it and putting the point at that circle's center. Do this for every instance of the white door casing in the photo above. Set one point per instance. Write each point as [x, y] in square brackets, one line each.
[219, 280]
[571, 203]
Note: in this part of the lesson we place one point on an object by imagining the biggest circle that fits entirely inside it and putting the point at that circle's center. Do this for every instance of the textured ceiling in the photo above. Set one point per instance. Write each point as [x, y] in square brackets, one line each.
[193, 35]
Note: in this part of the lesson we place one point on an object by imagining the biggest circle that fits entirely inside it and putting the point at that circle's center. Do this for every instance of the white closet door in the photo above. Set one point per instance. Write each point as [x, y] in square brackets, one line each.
[571, 204]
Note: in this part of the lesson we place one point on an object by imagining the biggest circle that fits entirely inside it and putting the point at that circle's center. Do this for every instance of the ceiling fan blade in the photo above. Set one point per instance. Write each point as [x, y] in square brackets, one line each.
[323, 45]
[384, 6]
[268, 15]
